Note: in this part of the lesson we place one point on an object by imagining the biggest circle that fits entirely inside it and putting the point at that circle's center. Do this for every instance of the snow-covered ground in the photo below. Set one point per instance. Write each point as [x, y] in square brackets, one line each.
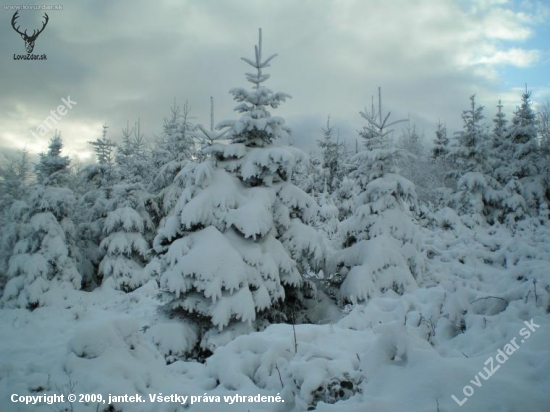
[392, 353]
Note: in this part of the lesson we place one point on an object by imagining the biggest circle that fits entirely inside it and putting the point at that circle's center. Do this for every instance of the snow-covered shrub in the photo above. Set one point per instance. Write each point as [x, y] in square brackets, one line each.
[447, 219]
[174, 339]
[121, 358]
[477, 199]
[317, 369]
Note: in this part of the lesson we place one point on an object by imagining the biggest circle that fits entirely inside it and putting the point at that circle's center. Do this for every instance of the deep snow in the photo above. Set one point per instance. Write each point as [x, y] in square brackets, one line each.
[391, 353]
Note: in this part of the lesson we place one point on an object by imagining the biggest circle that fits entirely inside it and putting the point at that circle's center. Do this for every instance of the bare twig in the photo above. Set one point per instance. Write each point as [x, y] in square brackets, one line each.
[489, 297]
[294, 329]
[280, 378]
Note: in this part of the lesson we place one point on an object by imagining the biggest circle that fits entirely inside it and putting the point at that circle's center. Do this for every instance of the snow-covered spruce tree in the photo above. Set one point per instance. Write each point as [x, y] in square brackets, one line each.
[171, 152]
[544, 129]
[333, 152]
[411, 140]
[104, 148]
[104, 173]
[309, 175]
[13, 229]
[174, 147]
[232, 252]
[500, 127]
[544, 133]
[125, 233]
[441, 142]
[128, 229]
[207, 137]
[328, 221]
[344, 195]
[132, 157]
[382, 244]
[526, 155]
[44, 264]
[96, 182]
[418, 167]
[543, 116]
[513, 206]
[14, 177]
[53, 169]
[114, 226]
[478, 195]
[91, 212]
[501, 147]
[523, 133]
[469, 153]
[439, 167]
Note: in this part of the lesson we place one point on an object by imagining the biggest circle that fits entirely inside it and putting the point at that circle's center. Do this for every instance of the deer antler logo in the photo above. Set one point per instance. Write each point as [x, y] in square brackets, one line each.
[29, 40]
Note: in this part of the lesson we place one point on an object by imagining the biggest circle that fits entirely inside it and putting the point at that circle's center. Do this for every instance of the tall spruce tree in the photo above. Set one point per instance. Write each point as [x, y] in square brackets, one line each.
[382, 252]
[501, 147]
[233, 251]
[14, 179]
[478, 195]
[104, 148]
[470, 151]
[171, 152]
[45, 261]
[527, 155]
[441, 142]
[53, 169]
[97, 181]
[333, 152]
[132, 157]
[418, 166]
[523, 133]
[126, 231]
[544, 133]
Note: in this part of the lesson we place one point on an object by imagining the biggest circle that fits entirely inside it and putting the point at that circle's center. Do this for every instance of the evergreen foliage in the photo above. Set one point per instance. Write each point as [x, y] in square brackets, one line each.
[382, 244]
[233, 250]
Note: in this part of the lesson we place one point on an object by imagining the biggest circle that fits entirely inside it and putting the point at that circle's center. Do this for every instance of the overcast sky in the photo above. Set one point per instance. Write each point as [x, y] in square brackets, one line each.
[122, 60]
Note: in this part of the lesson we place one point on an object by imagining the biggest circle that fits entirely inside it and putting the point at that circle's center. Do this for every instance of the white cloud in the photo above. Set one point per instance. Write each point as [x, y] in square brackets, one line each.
[515, 57]
[427, 55]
